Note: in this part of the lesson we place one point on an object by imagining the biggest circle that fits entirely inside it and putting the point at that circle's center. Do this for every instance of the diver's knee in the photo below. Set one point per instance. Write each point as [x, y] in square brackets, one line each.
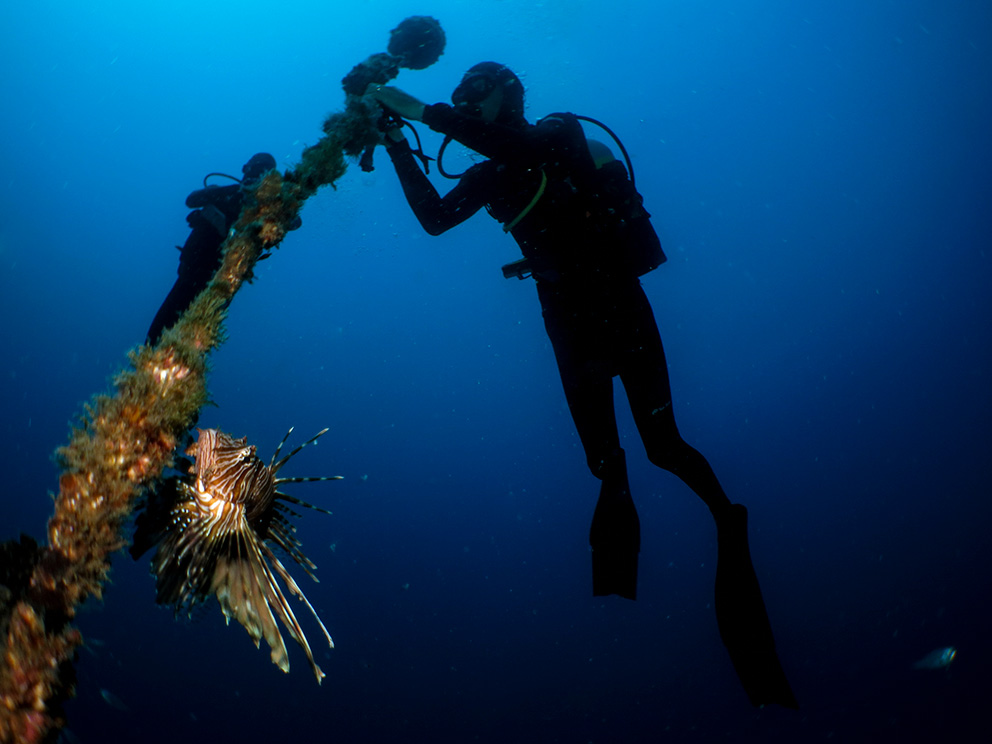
[668, 454]
[660, 459]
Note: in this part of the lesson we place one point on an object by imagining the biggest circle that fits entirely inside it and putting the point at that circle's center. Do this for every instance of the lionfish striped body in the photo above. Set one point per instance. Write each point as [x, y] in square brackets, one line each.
[216, 541]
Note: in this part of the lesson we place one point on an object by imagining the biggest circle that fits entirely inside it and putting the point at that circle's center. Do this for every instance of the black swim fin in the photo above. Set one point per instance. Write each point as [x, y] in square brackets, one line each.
[742, 618]
[615, 535]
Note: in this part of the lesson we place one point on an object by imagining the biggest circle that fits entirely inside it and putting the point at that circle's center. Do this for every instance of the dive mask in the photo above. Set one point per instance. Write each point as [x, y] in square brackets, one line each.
[471, 91]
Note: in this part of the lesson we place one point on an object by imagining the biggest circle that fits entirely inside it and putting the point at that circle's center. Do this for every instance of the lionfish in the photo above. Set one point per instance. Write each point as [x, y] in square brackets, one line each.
[214, 530]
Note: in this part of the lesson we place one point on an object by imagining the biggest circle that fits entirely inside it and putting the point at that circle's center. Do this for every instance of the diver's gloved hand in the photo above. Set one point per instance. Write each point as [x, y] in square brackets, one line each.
[390, 128]
[392, 137]
[398, 101]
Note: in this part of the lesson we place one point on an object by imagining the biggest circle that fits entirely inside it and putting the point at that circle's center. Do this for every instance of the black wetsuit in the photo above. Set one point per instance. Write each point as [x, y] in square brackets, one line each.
[595, 311]
[585, 252]
[215, 210]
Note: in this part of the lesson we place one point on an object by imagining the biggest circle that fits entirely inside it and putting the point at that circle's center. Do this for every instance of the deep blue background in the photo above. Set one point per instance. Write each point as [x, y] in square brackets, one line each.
[819, 175]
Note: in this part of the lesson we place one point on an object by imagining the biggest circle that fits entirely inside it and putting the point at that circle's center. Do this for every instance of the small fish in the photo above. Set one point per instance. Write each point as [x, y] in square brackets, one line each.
[939, 658]
[112, 700]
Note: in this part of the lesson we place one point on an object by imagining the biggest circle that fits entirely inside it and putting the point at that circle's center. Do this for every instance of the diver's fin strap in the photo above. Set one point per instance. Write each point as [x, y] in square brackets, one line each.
[507, 226]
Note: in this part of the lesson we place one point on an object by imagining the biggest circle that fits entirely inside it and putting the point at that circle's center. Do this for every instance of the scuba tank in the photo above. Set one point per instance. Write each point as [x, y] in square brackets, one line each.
[610, 200]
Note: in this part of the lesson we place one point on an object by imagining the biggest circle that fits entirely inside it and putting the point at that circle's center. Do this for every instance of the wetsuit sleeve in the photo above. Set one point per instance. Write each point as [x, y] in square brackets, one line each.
[525, 146]
[435, 213]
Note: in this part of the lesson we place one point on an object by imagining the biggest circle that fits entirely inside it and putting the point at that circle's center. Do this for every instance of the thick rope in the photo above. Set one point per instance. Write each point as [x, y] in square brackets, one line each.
[126, 440]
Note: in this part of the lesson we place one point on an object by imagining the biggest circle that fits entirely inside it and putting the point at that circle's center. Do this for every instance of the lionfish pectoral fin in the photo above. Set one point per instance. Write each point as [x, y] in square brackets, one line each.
[248, 591]
[183, 562]
[295, 590]
[241, 584]
[285, 612]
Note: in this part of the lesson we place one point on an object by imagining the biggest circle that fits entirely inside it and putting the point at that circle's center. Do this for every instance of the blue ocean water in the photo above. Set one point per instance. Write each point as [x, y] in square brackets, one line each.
[818, 174]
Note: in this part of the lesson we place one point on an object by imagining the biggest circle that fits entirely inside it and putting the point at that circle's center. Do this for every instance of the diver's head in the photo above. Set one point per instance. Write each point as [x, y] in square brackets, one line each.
[491, 91]
[257, 166]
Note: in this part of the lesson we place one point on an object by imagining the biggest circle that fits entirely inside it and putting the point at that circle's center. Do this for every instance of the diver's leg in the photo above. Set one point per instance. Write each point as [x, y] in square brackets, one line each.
[586, 376]
[615, 533]
[198, 260]
[644, 373]
[740, 609]
[182, 294]
[666, 449]
[588, 384]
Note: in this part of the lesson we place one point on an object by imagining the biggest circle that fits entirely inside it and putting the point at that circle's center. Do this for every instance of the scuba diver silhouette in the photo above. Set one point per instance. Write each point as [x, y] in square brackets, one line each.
[586, 238]
[215, 210]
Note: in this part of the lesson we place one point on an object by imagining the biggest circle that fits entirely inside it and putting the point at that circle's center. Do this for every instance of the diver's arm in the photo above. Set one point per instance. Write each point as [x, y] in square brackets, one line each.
[435, 213]
[495, 141]
[525, 145]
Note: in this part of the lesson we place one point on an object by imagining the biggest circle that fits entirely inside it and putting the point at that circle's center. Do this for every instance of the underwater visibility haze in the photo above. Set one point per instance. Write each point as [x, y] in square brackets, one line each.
[818, 176]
